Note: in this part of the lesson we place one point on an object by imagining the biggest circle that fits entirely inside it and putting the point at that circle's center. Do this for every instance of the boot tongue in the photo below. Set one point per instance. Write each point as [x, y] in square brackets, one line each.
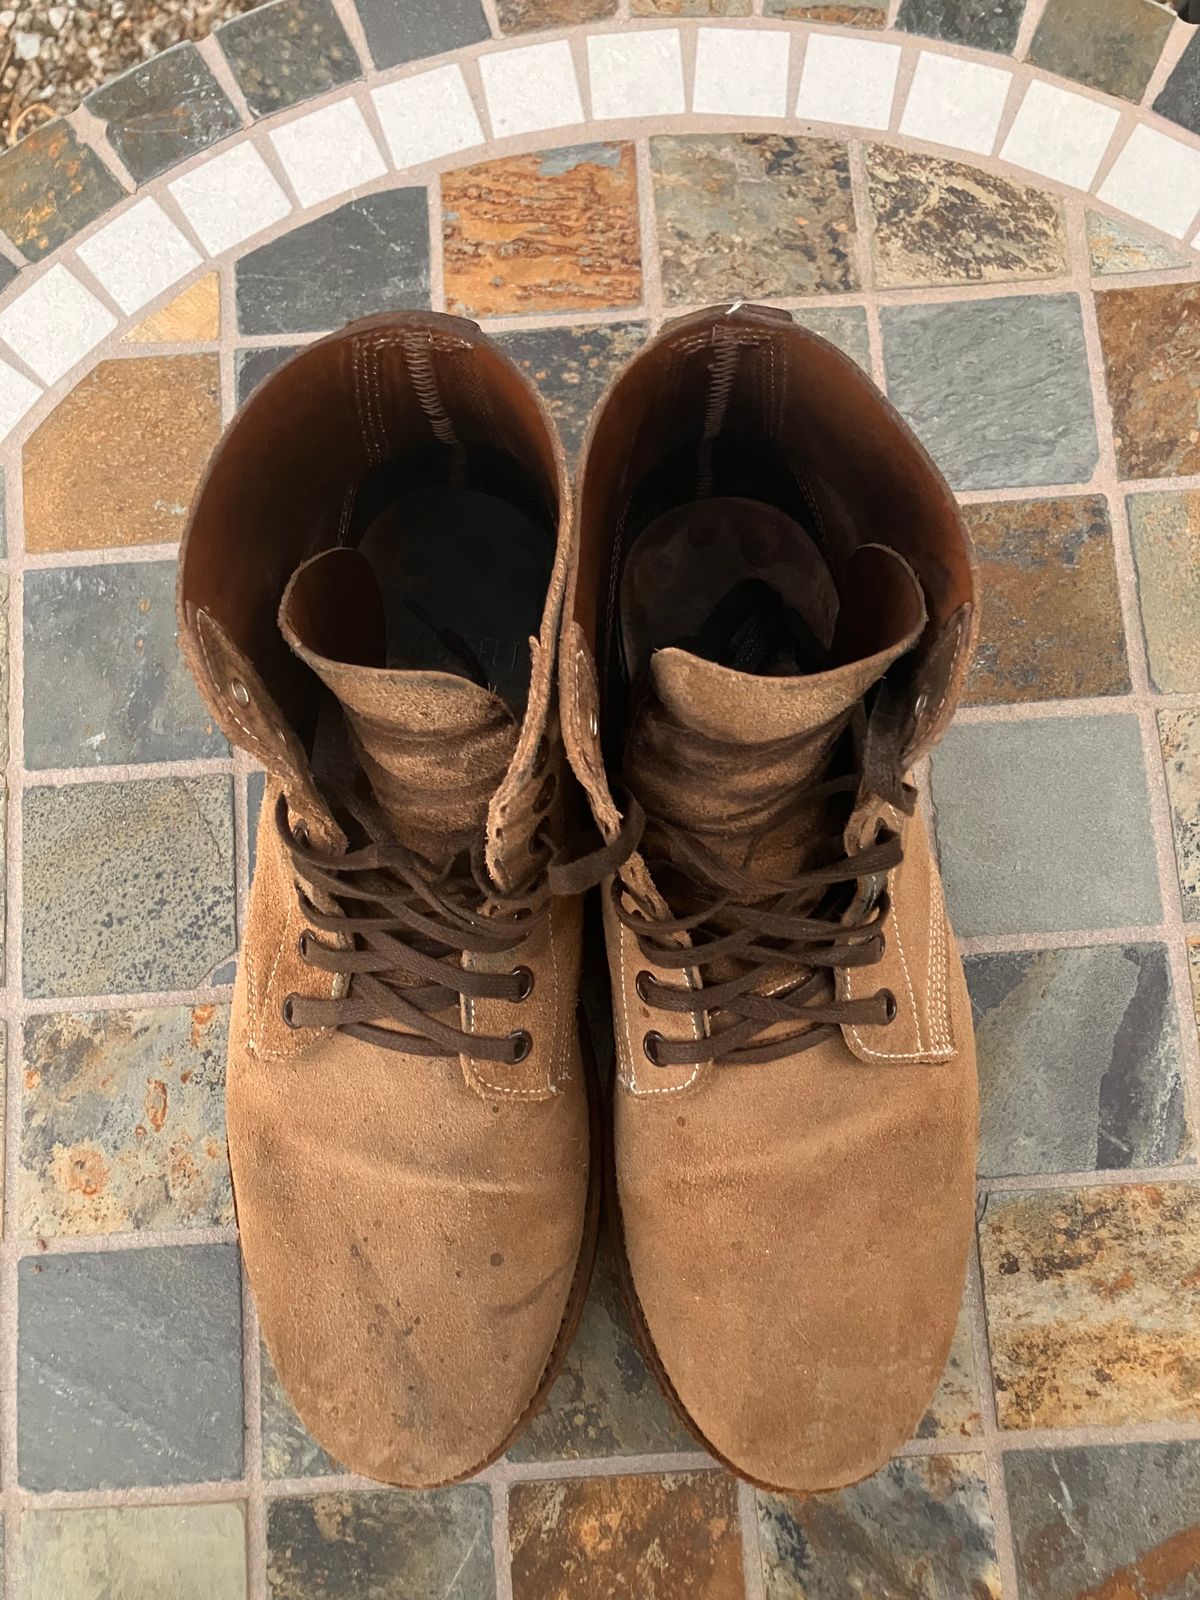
[433, 746]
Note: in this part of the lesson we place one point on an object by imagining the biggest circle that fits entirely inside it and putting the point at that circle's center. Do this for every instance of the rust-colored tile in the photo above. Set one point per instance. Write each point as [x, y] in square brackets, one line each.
[524, 16]
[656, 1538]
[1051, 627]
[51, 186]
[690, 8]
[193, 317]
[556, 231]
[116, 463]
[844, 13]
[1151, 341]
[1093, 1305]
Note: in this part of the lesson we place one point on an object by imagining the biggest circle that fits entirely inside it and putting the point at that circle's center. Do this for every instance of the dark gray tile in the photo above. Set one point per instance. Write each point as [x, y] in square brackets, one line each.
[920, 1527]
[1107, 1520]
[1079, 1062]
[998, 390]
[51, 186]
[286, 52]
[382, 1546]
[252, 366]
[370, 255]
[986, 24]
[7, 272]
[128, 886]
[288, 1449]
[129, 1368]
[397, 33]
[1044, 826]
[164, 110]
[572, 368]
[105, 682]
[1179, 99]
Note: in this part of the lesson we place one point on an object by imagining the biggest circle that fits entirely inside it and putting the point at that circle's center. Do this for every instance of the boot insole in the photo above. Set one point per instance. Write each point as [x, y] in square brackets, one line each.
[464, 577]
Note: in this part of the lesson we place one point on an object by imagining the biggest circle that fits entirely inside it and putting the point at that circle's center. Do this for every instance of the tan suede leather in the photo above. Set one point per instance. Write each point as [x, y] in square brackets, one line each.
[418, 1228]
[795, 1230]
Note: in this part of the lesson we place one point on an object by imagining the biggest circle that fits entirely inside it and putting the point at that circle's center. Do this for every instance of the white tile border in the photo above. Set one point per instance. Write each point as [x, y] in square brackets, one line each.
[636, 75]
[18, 394]
[55, 323]
[138, 255]
[230, 197]
[956, 103]
[1059, 134]
[741, 72]
[850, 81]
[531, 89]
[1156, 180]
[427, 116]
[328, 152]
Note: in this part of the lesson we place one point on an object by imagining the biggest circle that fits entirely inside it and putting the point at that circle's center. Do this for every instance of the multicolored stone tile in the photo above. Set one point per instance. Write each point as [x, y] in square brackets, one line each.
[137, 1552]
[940, 222]
[921, 1527]
[287, 52]
[1044, 826]
[123, 1121]
[844, 326]
[1093, 1305]
[690, 8]
[754, 215]
[844, 13]
[369, 255]
[1179, 732]
[105, 682]
[1116, 246]
[1165, 532]
[51, 186]
[954, 1409]
[986, 24]
[670, 1537]
[128, 886]
[1151, 342]
[373, 1546]
[193, 317]
[1107, 1521]
[1051, 626]
[288, 1449]
[572, 367]
[1079, 1063]
[117, 461]
[1112, 45]
[129, 1368]
[1179, 98]
[998, 390]
[407, 33]
[164, 110]
[523, 16]
[556, 231]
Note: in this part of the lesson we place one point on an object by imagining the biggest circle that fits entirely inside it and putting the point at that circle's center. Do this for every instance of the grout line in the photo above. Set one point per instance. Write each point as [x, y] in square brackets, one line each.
[651, 261]
[501, 1541]
[492, 16]
[437, 245]
[752, 1570]
[128, 772]
[252, 1462]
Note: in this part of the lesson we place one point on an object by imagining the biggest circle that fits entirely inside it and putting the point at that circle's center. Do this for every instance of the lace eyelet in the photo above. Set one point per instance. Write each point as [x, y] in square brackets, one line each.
[546, 793]
[650, 1044]
[542, 754]
[524, 979]
[302, 945]
[642, 984]
[287, 1011]
[522, 1043]
[300, 833]
[890, 1008]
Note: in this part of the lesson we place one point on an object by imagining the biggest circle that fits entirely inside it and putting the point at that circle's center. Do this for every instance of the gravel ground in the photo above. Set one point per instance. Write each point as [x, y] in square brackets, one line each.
[51, 54]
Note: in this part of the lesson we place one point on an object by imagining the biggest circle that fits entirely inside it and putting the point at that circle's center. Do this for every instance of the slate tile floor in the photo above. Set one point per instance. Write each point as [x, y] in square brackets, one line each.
[1049, 359]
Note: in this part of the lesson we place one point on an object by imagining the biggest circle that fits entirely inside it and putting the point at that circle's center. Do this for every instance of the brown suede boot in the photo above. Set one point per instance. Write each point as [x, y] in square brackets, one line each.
[383, 528]
[775, 582]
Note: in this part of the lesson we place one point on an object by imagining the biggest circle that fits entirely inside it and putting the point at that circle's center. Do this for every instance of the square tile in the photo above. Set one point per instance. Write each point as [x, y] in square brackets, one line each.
[1079, 1062]
[117, 462]
[636, 74]
[921, 1526]
[123, 1122]
[741, 72]
[372, 1546]
[531, 89]
[998, 390]
[554, 231]
[1112, 45]
[1179, 732]
[18, 394]
[290, 51]
[369, 255]
[954, 1410]
[848, 80]
[51, 186]
[409, 33]
[690, 8]
[1179, 98]
[572, 368]
[138, 255]
[1013, 864]
[105, 681]
[54, 324]
[753, 216]
[230, 198]
[252, 366]
[1151, 343]
[192, 317]
[524, 16]
[1106, 1520]
[128, 886]
[288, 1449]
[328, 152]
[1093, 1304]
[138, 1553]
[129, 1368]
[986, 24]
[1157, 180]
[1051, 626]
[164, 110]
[1060, 135]
[953, 102]
[845, 13]
[844, 326]
[1164, 530]
[427, 116]
[1116, 246]
[942, 222]
[618, 1536]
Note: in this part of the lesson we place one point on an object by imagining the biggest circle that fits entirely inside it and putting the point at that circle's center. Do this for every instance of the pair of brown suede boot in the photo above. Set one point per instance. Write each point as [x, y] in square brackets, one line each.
[730, 650]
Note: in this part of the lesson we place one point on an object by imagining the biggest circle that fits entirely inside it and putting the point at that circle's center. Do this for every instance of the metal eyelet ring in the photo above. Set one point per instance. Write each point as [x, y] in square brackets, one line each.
[239, 692]
[642, 984]
[300, 833]
[650, 1044]
[522, 1043]
[524, 979]
[890, 1008]
[287, 1011]
[302, 945]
